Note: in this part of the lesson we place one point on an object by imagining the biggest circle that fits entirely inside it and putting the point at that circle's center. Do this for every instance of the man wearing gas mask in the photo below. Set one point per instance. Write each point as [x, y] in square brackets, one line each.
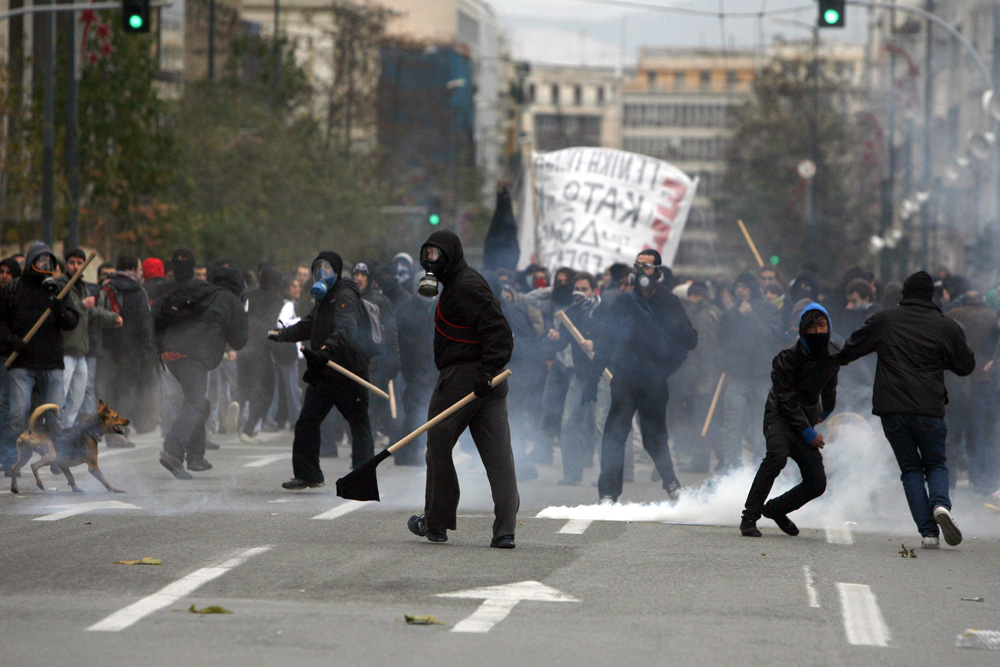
[646, 339]
[472, 343]
[39, 364]
[333, 330]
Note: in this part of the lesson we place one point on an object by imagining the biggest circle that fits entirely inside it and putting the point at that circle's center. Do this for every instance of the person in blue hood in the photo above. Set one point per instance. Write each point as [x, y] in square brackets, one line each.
[803, 394]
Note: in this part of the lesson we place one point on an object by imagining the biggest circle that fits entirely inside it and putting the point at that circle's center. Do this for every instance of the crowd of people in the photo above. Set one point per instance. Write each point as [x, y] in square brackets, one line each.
[601, 363]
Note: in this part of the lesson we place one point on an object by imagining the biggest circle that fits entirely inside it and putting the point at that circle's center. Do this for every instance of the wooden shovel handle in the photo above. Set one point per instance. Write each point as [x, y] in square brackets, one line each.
[357, 378]
[578, 337]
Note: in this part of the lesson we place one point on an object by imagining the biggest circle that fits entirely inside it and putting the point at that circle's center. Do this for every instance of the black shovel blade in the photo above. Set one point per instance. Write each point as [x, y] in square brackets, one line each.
[362, 482]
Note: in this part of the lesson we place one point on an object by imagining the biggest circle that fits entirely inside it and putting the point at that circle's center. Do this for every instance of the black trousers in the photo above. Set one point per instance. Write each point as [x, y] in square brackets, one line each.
[187, 434]
[260, 390]
[351, 400]
[649, 398]
[486, 419]
[783, 443]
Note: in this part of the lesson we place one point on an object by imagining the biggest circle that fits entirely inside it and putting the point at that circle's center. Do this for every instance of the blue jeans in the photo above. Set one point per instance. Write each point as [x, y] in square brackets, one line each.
[22, 382]
[919, 445]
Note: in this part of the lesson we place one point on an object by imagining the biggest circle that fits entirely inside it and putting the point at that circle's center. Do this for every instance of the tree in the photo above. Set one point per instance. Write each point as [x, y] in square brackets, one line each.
[761, 184]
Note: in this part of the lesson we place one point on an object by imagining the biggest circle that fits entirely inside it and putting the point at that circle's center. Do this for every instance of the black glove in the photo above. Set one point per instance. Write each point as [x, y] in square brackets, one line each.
[50, 285]
[589, 394]
[315, 358]
[17, 344]
[274, 335]
[482, 385]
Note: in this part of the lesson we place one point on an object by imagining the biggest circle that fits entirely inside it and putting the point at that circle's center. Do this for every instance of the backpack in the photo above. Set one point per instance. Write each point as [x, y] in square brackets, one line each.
[183, 304]
[371, 341]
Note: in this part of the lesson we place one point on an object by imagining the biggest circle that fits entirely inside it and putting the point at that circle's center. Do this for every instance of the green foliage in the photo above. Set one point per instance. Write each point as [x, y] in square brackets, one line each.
[761, 184]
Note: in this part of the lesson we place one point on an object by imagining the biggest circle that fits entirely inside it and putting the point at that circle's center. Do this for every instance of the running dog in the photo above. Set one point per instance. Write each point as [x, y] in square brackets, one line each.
[66, 447]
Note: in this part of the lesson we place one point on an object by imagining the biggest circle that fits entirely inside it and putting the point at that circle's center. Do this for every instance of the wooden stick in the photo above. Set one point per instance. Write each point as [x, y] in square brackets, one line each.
[746, 234]
[715, 401]
[360, 380]
[446, 413]
[48, 311]
[578, 337]
[392, 399]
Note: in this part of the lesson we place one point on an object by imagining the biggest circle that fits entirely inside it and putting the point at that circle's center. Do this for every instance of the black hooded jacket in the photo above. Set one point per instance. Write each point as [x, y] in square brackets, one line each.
[803, 383]
[469, 325]
[22, 304]
[222, 323]
[747, 342]
[134, 336]
[916, 344]
[334, 321]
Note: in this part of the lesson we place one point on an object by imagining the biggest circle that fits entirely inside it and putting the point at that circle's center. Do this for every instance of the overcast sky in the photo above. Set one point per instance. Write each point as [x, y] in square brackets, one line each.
[576, 32]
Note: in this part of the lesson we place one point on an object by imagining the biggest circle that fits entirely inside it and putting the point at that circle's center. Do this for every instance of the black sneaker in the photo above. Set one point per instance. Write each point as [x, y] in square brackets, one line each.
[784, 523]
[174, 465]
[503, 542]
[296, 484]
[749, 528]
[674, 491]
[199, 465]
[418, 526]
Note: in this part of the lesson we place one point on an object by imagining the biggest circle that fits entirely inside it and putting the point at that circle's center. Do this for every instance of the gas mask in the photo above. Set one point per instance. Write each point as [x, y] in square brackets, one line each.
[433, 261]
[641, 279]
[322, 273]
[44, 263]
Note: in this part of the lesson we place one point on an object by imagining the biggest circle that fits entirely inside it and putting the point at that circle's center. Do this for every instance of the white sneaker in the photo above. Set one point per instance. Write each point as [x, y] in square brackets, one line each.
[232, 417]
[929, 542]
[607, 500]
[952, 535]
[249, 438]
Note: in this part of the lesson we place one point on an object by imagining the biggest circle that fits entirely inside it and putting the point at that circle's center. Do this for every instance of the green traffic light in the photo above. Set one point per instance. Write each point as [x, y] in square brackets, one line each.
[831, 16]
[135, 21]
[775, 260]
[434, 219]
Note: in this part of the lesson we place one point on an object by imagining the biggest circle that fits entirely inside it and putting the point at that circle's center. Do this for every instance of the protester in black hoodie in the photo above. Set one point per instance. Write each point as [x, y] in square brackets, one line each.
[916, 344]
[39, 364]
[191, 343]
[254, 365]
[472, 344]
[803, 394]
[332, 329]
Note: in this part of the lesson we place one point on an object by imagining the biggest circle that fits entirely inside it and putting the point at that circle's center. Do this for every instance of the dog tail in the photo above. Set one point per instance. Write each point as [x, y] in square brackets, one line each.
[39, 411]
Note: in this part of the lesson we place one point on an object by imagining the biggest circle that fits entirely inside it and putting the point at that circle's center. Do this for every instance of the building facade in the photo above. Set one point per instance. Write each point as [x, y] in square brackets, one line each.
[571, 106]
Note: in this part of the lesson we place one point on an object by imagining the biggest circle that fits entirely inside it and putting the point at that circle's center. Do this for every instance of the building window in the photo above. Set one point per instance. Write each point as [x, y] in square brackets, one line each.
[555, 93]
[731, 80]
[651, 77]
[578, 95]
[531, 93]
[706, 80]
[679, 81]
[600, 94]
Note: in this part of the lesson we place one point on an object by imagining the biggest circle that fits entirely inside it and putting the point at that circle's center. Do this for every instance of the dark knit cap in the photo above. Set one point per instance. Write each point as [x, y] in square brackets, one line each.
[184, 255]
[919, 286]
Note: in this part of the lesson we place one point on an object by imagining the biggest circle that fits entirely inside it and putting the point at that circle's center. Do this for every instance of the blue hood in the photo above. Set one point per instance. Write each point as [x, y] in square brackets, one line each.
[813, 306]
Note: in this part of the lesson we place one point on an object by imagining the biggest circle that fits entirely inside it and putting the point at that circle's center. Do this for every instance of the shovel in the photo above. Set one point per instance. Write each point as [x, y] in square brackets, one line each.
[362, 483]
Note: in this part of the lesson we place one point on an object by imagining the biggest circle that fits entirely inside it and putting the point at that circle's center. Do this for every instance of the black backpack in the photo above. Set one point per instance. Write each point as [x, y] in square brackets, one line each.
[183, 304]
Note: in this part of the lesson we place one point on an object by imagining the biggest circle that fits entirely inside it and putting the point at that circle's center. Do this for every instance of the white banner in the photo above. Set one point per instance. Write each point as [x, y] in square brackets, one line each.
[598, 206]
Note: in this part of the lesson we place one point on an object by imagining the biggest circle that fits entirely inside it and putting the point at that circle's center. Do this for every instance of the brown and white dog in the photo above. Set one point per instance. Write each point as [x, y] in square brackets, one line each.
[66, 447]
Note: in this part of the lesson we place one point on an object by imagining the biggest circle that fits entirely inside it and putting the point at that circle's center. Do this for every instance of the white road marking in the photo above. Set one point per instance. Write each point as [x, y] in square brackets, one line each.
[811, 588]
[863, 621]
[261, 461]
[498, 601]
[80, 508]
[575, 526]
[839, 534]
[346, 507]
[166, 596]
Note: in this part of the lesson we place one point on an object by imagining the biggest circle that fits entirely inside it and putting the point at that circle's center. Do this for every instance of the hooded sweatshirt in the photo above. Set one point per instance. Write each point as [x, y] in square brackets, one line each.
[469, 325]
[22, 304]
[804, 382]
[123, 294]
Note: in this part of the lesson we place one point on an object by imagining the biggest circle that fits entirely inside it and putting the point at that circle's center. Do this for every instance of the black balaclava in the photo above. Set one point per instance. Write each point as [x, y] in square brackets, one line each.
[919, 286]
[182, 262]
[562, 295]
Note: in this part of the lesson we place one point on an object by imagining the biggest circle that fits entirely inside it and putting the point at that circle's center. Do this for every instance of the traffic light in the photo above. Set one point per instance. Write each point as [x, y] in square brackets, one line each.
[135, 16]
[831, 13]
[434, 210]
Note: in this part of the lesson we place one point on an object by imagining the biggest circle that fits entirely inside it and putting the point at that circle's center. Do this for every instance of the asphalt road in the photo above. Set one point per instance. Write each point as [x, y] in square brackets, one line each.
[315, 580]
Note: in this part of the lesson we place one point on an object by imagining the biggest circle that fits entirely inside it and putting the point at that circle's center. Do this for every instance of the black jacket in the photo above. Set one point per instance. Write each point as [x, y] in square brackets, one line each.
[746, 342]
[916, 344]
[333, 323]
[414, 321]
[803, 385]
[134, 336]
[22, 304]
[634, 345]
[469, 325]
[590, 324]
[222, 323]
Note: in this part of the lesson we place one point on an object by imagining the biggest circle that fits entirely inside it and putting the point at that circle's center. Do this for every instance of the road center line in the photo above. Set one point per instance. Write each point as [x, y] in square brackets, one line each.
[575, 526]
[166, 596]
[811, 587]
[839, 535]
[340, 510]
[863, 621]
